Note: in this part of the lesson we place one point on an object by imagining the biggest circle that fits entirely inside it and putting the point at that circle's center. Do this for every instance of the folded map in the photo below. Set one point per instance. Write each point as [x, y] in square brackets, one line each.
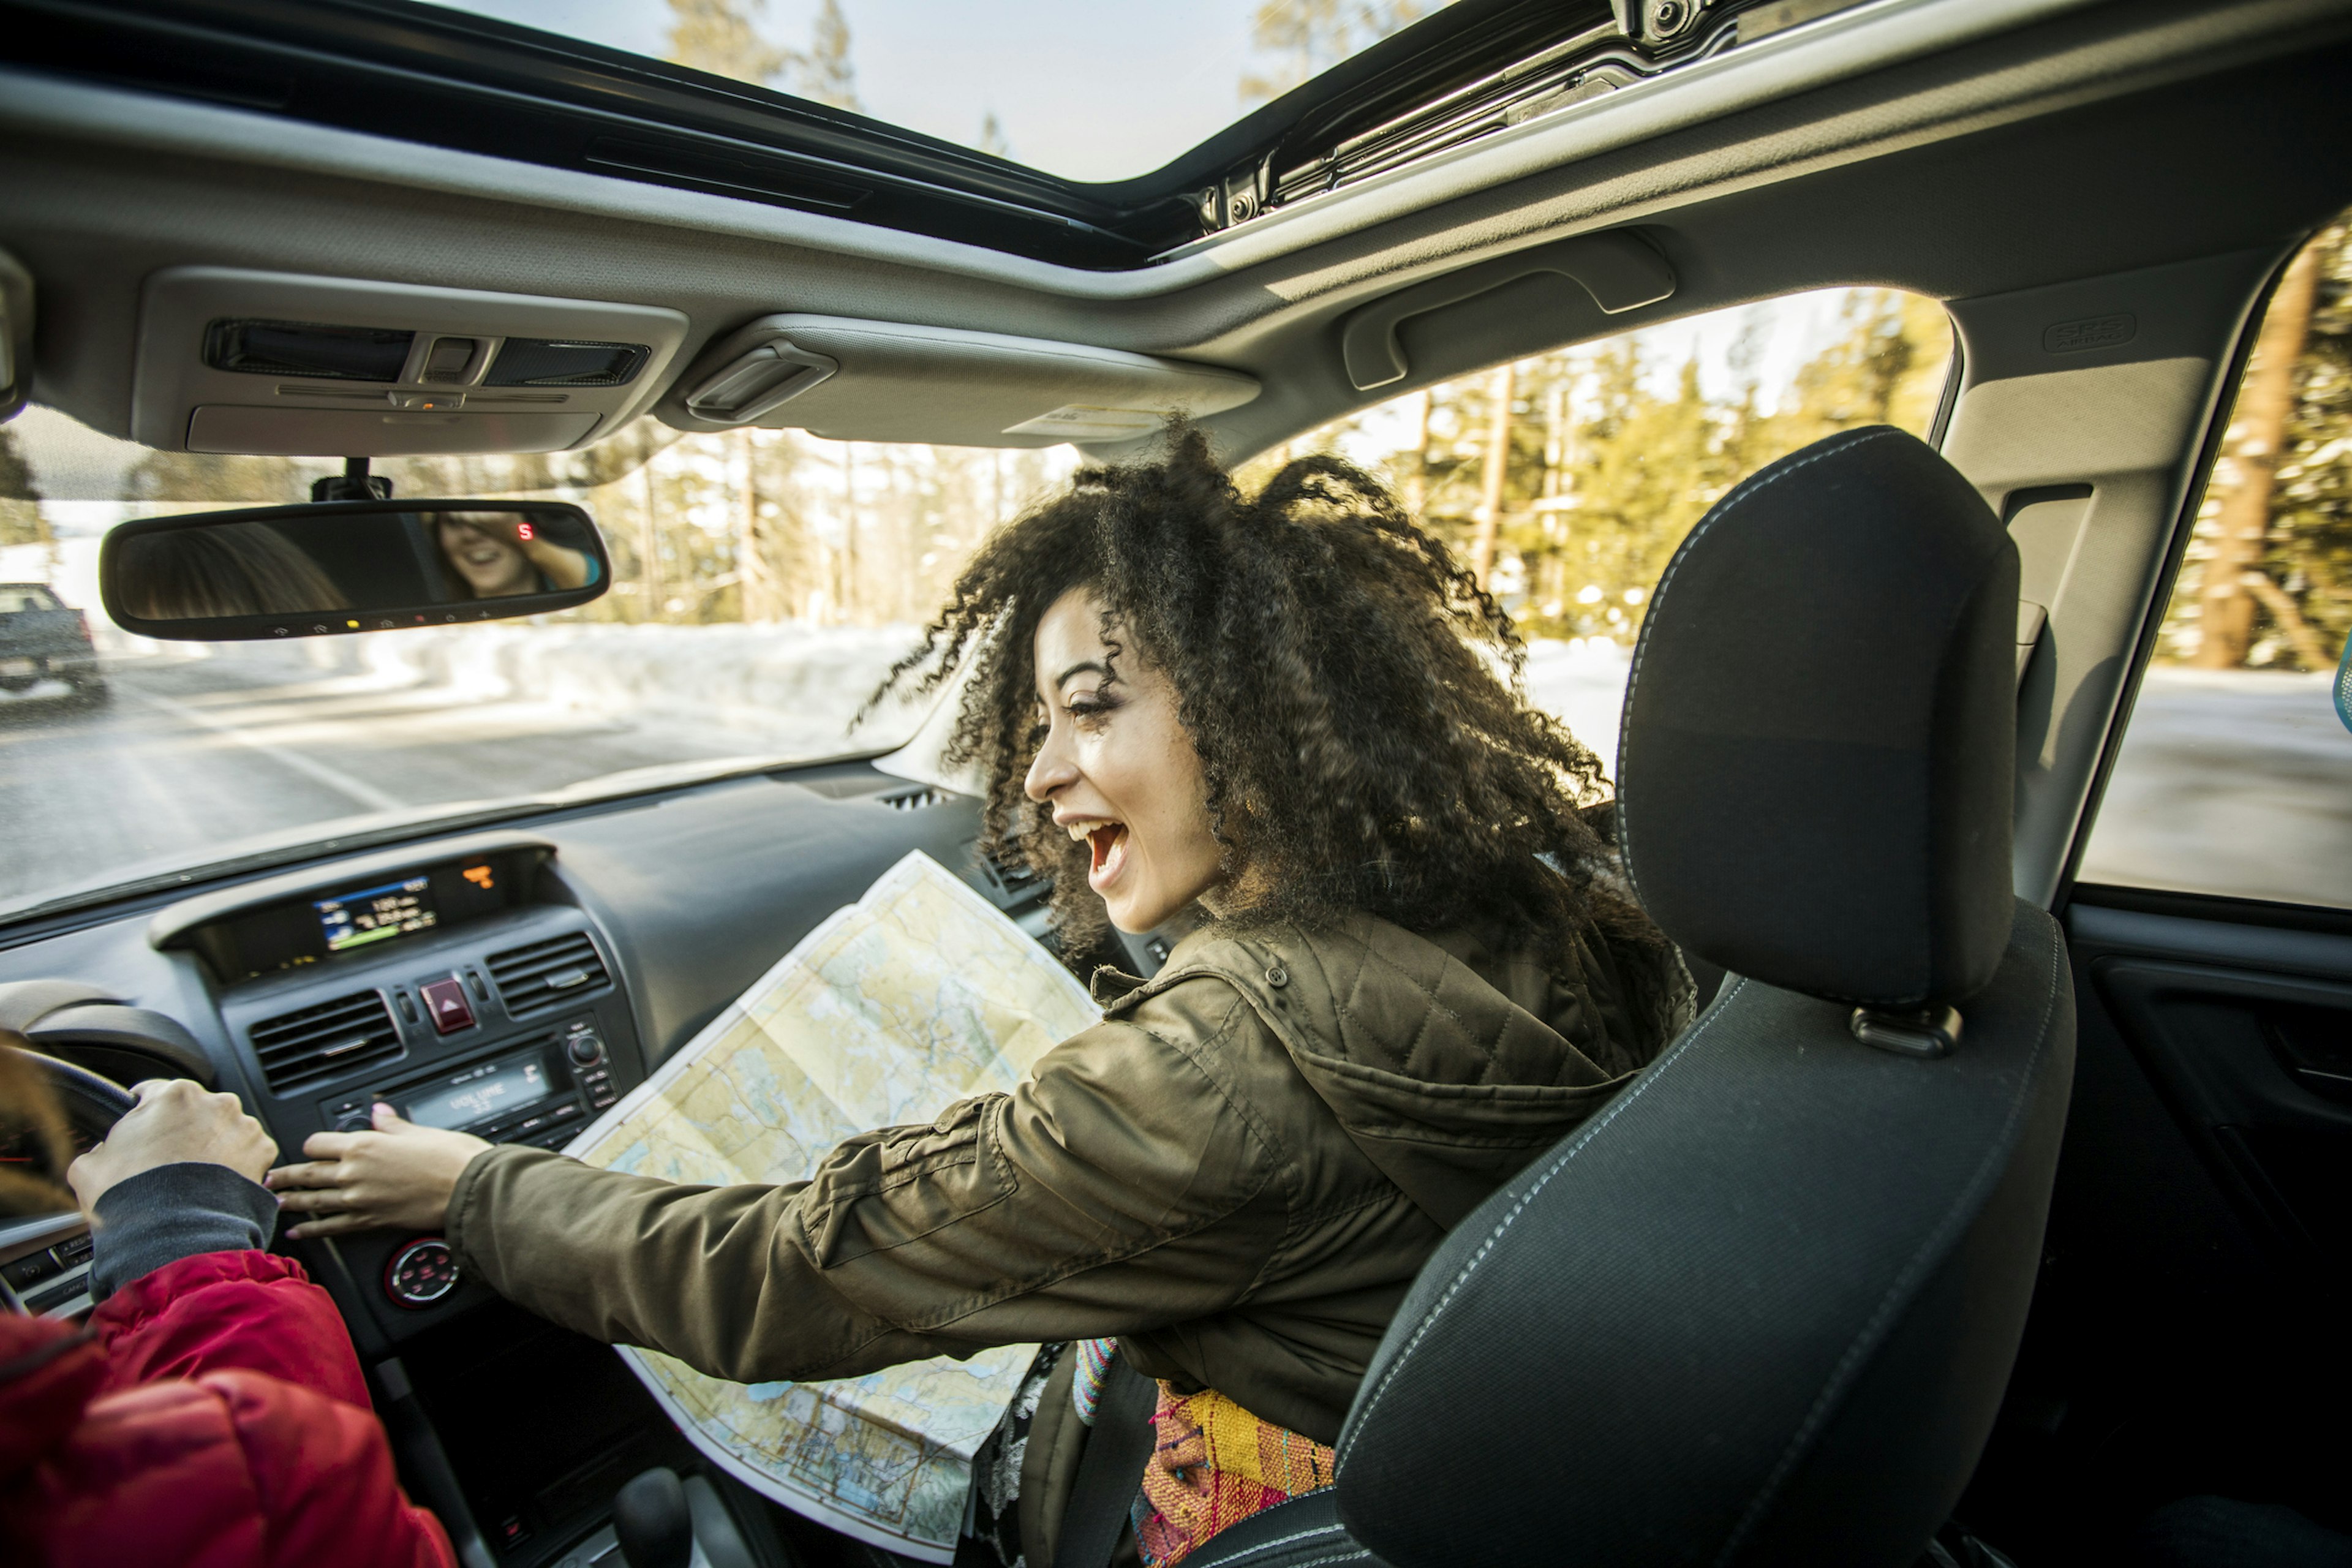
[918, 995]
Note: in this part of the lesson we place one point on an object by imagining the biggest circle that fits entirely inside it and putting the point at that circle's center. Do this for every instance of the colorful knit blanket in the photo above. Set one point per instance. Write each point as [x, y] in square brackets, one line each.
[1214, 1465]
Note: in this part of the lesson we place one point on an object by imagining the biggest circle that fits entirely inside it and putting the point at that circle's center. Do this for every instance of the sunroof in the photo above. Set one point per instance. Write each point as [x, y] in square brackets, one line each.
[1091, 90]
[1120, 130]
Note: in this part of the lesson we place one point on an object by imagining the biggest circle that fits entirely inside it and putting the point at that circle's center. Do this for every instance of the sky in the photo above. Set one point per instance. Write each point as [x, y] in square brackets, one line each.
[1089, 89]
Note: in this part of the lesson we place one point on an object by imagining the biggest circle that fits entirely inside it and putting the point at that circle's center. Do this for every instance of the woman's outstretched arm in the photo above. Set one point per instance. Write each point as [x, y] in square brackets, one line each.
[1118, 1189]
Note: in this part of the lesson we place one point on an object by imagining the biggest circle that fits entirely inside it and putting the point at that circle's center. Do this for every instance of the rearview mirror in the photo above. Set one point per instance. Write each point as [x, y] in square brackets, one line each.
[337, 567]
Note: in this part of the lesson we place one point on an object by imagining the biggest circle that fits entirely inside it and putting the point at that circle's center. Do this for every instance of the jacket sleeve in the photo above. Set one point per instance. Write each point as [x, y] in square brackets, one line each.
[322, 1475]
[223, 1311]
[175, 1211]
[231, 1467]
[1117, 1190]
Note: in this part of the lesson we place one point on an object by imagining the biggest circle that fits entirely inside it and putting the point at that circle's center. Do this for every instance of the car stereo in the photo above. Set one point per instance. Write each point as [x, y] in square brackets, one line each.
[539, 1092]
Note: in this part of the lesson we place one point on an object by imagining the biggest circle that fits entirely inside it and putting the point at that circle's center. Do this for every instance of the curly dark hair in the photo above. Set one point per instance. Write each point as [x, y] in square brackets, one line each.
[1353, 693]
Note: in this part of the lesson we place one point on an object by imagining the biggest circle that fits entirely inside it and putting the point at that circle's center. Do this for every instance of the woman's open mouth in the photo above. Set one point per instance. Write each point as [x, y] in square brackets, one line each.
[1108, 840]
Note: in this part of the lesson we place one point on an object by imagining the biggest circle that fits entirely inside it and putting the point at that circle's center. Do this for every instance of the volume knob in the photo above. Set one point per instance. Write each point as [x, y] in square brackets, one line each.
[420, 1273]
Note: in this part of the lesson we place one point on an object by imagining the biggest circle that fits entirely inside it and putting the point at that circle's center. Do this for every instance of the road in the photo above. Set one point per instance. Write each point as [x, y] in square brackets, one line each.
[2235, 782]
[193, 754]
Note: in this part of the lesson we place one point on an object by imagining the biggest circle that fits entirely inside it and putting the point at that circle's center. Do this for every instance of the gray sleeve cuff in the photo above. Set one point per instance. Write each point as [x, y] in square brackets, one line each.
[172, 1212]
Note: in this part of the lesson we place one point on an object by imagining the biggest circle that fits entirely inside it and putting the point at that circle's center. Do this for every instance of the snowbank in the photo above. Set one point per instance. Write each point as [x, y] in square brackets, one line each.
[1582, 681]
[762, 681]
[796, 681]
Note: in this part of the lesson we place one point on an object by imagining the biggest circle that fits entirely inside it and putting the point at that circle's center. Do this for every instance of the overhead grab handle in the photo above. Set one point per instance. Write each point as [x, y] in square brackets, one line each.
[1616, 268]
[759, 382]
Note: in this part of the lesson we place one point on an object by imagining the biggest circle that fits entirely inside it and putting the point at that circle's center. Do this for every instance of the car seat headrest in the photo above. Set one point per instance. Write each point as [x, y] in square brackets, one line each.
[1816, 779]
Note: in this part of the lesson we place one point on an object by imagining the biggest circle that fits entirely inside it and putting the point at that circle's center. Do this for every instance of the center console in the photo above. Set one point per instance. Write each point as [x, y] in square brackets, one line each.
[457, 991]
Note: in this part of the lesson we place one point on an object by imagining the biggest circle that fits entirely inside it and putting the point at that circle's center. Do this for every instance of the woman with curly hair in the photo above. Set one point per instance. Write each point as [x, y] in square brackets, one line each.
[1291, 717]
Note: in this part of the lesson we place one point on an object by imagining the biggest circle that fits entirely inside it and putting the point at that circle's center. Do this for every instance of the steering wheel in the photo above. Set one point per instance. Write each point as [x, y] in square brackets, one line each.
[92, 1104]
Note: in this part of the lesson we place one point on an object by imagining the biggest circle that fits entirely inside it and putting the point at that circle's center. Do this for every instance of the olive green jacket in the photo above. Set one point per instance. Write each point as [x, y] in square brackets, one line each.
[1238, 1172]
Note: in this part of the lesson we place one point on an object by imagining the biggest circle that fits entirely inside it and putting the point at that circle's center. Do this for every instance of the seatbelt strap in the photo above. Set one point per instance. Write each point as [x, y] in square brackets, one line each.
[1111, 1472]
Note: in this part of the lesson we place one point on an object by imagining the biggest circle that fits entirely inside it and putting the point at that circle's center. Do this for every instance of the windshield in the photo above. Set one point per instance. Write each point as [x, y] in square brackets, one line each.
[765, 580]
[764, 583]
[1086, 89]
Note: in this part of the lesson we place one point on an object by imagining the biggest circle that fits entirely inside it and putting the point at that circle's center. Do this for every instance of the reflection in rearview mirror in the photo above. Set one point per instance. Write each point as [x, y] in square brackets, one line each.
[347, 566]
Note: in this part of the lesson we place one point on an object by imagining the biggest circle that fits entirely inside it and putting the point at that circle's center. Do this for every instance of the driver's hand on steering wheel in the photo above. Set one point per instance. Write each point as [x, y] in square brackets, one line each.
[176, 1122]
[401, 1175]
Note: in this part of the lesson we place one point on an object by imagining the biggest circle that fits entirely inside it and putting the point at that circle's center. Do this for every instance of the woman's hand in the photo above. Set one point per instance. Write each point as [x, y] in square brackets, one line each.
[176, 1122]
[562, 566]
[401, 1175]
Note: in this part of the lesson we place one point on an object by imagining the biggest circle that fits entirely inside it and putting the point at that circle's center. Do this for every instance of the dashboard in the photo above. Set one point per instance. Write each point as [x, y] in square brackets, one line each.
[511, 982]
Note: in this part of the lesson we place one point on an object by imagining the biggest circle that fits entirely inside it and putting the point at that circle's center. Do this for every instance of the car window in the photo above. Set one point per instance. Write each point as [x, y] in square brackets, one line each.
[1567, 480]
[765, 580]
[17, 596]
[2235, 773]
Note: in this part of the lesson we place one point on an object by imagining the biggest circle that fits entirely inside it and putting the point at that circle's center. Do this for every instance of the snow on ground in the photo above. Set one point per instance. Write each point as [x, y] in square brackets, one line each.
[2236, 782]
[1583, 683]
[787, 687]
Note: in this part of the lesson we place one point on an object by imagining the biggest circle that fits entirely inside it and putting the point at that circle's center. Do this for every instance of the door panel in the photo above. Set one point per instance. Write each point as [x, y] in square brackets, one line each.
[2246, 1033]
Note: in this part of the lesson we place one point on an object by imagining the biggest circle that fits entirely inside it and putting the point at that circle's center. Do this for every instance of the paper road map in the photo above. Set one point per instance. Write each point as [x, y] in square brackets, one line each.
[916, 997]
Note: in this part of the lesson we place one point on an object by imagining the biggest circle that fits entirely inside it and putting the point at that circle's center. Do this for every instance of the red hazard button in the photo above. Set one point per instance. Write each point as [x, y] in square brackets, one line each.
[445, 1003]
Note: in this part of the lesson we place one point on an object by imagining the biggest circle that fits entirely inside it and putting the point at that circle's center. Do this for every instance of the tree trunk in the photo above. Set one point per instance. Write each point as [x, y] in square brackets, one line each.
[1555, 438]
[1498, 458]
[755, 572]
[650, 569]
[845, 607]
[1416, 482]
[2225, 610]
[2308, 649]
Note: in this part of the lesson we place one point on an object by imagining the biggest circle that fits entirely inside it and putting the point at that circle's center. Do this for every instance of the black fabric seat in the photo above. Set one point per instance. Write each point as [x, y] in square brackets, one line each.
[1762, 1309]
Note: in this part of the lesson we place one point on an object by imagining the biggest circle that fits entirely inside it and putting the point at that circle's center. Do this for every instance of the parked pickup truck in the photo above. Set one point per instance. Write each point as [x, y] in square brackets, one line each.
[41, 640]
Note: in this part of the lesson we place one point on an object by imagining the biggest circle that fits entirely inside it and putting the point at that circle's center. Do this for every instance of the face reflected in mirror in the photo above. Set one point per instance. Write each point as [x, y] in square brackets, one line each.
[1118, 769]
[500, 554]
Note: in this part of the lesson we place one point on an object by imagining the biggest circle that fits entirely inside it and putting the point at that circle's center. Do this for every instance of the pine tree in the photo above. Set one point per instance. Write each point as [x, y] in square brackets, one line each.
[2308, 551]
[1307, 37]
[723, 37]
[20, 497]
[824, 73]
[2293, 565]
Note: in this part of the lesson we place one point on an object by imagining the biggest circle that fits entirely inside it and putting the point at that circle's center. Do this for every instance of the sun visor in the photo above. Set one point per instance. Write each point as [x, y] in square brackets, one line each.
[272, 364]
[883, 381]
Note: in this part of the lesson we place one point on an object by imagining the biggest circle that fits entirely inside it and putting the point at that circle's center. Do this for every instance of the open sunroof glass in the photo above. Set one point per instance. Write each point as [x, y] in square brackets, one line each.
[1088, 90]
[1094, 133]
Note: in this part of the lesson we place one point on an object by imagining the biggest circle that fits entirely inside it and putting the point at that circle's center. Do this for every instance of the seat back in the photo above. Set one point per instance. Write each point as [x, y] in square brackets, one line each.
[1763, 1308]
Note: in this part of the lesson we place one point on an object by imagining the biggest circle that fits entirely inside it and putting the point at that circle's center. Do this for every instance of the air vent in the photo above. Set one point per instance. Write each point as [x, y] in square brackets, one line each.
[1012, 875]
[548, 973]
[324, 1041]
[914, 799]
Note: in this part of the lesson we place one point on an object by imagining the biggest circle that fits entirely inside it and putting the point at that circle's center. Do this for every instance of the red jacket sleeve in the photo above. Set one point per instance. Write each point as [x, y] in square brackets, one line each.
[323, 1475]
[232, 1470]
[222, 1311]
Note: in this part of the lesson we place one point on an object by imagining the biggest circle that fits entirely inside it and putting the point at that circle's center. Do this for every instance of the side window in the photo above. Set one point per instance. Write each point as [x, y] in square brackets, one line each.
[2235, 774]
[1566, 481]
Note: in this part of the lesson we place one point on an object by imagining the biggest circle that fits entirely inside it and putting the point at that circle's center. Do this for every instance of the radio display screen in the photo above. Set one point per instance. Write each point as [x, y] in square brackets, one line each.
[376, 914]
[453, 1105]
